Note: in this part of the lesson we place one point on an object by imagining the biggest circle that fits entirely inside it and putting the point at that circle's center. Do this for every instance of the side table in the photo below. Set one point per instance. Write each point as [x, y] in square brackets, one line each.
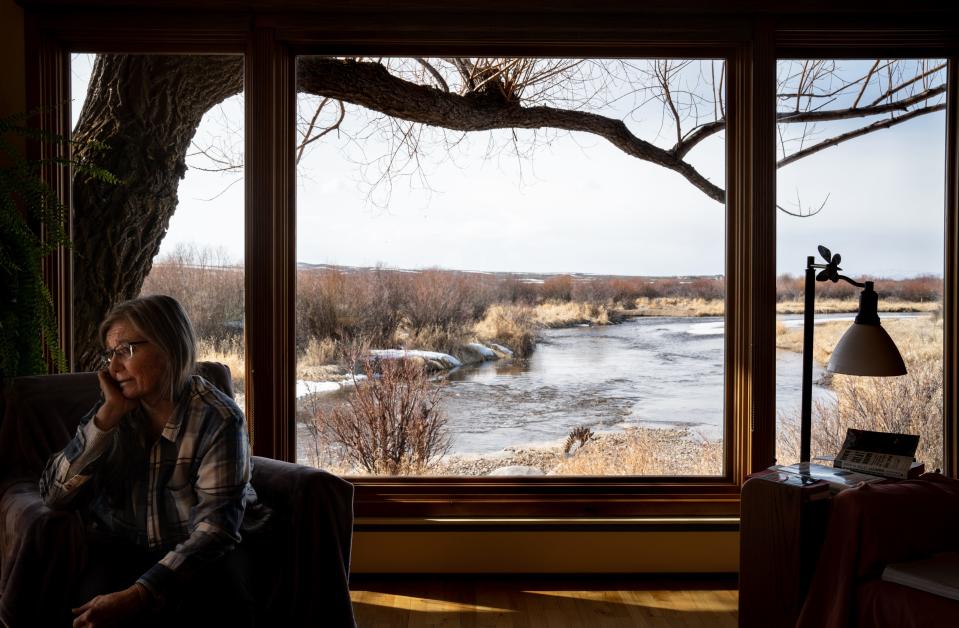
[781, 531]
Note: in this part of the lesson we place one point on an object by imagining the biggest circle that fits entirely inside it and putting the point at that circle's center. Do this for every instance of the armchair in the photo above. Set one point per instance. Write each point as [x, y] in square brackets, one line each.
[300, 557]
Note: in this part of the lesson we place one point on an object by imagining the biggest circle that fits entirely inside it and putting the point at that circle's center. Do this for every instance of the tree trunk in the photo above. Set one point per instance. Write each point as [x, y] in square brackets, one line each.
[142, 111]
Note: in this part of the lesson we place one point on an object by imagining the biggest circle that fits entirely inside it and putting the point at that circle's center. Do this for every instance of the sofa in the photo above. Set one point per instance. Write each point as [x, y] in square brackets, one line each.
[873, 526]
[301, 555]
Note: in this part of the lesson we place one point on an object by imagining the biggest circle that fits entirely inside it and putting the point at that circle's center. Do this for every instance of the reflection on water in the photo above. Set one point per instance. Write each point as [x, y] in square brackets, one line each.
[649, 372]
[646, 371]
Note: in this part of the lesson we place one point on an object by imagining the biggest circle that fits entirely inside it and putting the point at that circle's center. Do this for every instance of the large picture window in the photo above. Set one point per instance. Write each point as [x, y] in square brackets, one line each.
[363, 218]
[511, 266]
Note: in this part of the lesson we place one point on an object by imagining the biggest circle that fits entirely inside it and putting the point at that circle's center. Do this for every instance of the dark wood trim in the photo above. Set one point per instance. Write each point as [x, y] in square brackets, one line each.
[763, 244]
[739, 382]
[270, 245]
[950, 297]
[271, 34]
[48, 94]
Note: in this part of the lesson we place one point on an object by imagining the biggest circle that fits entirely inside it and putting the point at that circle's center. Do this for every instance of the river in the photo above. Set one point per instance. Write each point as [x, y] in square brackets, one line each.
[653, 372]
[650, 372]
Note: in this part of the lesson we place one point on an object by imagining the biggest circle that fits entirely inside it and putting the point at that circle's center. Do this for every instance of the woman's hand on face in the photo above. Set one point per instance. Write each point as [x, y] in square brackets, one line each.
[111, 609]
[115, 405]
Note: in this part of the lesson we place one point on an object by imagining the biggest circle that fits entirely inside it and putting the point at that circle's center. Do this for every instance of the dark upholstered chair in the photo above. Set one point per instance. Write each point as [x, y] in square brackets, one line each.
[301, 555]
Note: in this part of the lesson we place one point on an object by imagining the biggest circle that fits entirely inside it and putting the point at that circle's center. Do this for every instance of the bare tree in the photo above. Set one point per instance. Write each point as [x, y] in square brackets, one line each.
[145, 109]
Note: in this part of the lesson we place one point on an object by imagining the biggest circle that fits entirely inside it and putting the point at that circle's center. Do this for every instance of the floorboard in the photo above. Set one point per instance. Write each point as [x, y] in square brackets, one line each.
[544, 602]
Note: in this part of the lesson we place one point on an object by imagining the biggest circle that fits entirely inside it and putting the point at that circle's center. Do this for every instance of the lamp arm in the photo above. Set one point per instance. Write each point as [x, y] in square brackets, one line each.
[852, 281]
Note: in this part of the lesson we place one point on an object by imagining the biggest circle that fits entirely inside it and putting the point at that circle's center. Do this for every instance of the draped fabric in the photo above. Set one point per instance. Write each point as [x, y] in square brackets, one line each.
[873, 526]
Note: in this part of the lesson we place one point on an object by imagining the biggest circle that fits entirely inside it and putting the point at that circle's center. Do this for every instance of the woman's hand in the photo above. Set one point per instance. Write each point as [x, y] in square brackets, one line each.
[112, 609]
[115, 405]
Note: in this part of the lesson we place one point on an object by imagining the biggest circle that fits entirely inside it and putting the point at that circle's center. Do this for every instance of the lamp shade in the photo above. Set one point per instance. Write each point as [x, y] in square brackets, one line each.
[866, 349]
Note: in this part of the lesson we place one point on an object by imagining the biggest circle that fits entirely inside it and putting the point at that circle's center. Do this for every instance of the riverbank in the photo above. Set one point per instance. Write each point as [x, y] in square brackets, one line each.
[639, 451]
[634, 451]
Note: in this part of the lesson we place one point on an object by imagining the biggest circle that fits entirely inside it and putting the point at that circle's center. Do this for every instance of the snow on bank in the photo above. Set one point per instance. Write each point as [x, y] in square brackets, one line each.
[444, 359]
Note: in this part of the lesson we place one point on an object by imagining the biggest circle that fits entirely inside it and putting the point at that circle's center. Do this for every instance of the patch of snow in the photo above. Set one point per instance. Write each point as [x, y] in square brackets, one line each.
[483, 350]
[500, 348]
[443, 358]
[307, 387]
[516, 469]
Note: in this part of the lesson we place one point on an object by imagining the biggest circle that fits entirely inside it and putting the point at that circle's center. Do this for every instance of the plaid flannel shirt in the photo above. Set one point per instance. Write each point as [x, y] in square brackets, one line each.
[187, 491]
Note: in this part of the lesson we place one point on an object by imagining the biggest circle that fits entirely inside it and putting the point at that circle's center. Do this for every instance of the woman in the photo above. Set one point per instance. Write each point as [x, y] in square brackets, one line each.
[161, 468]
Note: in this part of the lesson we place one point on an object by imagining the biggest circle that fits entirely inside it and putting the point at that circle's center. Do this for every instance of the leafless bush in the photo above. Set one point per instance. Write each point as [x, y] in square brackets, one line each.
[391, 424]
[208, 285]
[580, 434]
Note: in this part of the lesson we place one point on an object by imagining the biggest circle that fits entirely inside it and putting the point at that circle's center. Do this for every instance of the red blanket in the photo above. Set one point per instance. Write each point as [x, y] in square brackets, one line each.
[873, 526]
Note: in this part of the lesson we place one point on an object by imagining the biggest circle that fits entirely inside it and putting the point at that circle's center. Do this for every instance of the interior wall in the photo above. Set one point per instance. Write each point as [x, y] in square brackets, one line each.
[13, 91]
[545, 552]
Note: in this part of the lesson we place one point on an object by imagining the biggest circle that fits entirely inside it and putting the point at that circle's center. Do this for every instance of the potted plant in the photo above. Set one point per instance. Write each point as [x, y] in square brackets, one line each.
[28, 324]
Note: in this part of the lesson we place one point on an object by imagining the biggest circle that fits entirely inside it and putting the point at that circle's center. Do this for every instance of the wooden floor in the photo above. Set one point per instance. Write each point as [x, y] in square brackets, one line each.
[516, 602]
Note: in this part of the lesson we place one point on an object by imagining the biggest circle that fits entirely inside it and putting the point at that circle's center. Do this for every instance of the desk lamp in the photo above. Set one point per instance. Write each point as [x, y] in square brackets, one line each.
[865, 348]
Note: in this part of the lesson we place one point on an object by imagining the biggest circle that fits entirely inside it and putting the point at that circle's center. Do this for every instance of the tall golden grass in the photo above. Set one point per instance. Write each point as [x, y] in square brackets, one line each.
[645, 452]
[909, 404]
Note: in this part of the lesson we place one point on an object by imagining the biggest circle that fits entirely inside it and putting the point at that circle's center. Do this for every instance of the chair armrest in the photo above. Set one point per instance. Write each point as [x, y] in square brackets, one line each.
[35, 540]
[309, 540]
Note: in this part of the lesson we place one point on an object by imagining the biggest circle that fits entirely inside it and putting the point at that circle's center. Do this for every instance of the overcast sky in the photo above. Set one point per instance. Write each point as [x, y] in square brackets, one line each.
[580, 205]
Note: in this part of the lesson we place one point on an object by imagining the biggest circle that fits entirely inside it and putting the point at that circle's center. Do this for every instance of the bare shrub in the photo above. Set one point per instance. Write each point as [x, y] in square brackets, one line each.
[391, 423]
[208, 285]
[909, 404]
[557, 288]
[511, 325]
[580, 434]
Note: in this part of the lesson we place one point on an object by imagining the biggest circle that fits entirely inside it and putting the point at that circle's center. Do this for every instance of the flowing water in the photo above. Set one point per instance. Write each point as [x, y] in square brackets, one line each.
[652, 372]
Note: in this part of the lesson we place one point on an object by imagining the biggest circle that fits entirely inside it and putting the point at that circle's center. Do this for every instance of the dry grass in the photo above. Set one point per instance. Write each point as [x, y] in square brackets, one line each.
[676, 306]
[909, 404]
[510, 325]
[229, 352]
[919, 338]
[839, 306]
[566, 313]
[645, 452]
[318, 353]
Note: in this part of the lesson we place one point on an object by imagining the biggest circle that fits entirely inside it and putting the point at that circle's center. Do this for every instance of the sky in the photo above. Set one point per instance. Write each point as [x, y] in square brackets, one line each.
[577, 205]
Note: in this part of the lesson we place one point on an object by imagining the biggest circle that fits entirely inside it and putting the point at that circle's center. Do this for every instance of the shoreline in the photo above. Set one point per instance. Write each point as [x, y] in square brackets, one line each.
[631, 451]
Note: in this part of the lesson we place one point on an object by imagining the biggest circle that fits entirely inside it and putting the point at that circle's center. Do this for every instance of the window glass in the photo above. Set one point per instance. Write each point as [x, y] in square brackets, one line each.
[184, 176]
[498, 275]
[861, 150]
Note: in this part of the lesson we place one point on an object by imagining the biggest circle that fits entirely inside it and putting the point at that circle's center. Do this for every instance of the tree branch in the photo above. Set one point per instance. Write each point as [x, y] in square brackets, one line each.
[370, 85]
[860, 112]
[844, 137]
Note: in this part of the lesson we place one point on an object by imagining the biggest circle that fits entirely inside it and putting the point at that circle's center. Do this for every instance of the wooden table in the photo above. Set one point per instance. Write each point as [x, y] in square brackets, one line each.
[781, 531]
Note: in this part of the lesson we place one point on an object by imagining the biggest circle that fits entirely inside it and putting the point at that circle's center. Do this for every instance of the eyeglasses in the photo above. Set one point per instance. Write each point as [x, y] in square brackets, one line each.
[122, 351]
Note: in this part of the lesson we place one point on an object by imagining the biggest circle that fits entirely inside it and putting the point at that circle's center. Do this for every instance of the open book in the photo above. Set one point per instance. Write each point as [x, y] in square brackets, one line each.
[878, 453]
[938, 575]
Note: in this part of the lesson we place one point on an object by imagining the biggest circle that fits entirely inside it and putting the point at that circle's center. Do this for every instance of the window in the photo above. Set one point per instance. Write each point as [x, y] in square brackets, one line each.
[176, 143]
[511, 301]
[271, 43]
[870, 189]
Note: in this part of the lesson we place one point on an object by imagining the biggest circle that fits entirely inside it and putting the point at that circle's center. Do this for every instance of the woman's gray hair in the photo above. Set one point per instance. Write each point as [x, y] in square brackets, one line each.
[162, 321]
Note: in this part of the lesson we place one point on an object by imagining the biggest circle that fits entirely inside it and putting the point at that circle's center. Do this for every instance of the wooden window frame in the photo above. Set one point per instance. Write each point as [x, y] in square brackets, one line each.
[751, 41]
